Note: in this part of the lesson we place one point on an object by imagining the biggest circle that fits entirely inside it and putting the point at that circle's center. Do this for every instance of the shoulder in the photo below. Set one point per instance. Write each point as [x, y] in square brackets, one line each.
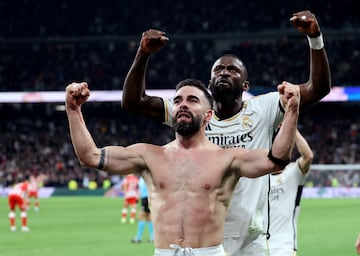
[293, 169]
[265, 97]
[142, 146]
[142, 150]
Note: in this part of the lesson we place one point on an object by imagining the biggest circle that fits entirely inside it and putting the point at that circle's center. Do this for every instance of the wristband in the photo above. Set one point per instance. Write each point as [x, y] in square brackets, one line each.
[278, 161]
[316, 43]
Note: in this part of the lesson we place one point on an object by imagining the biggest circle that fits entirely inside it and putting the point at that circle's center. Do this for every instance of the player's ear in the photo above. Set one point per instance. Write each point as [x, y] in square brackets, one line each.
[246, 85]
[208, 115]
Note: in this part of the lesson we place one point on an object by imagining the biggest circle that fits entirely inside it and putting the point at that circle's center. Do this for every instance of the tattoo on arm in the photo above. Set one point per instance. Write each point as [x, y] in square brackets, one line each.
[102, 159]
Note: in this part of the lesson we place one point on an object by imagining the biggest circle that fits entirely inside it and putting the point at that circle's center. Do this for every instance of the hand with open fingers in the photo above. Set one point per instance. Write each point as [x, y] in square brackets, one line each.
[153, 40]
[76, 95]
[306, 22]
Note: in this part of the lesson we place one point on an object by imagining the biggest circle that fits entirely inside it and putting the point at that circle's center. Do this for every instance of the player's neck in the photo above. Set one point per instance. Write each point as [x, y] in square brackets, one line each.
[191, 141]
[225, 111]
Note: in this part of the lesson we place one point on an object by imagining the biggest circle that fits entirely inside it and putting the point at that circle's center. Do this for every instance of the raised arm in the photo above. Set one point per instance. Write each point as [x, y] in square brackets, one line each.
[113, 159]
[319, 83]
[259, 162]
[134, 97]
[306, 154]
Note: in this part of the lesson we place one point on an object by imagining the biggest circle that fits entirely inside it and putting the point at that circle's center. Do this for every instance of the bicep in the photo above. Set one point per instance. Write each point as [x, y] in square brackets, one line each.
[253, 163]
[309, 95]
[122, 160]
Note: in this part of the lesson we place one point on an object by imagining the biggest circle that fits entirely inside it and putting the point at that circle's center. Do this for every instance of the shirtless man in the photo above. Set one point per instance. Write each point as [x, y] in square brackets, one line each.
[190, 179]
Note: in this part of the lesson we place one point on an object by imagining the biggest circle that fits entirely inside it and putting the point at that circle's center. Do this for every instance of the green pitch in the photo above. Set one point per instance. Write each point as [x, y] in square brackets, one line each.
[328, 227]
[73, 226]
[91, 226]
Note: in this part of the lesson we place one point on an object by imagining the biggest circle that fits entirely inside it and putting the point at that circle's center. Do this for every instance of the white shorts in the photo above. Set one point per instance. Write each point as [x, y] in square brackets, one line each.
[206, 251]
[283, 252]
[255, 245]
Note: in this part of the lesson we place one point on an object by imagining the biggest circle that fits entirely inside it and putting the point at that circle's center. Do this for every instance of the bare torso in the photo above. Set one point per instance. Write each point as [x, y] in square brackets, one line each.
[189, 190]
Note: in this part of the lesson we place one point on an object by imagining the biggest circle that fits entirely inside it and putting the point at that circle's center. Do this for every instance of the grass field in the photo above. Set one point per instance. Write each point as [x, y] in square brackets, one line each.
[91, 226]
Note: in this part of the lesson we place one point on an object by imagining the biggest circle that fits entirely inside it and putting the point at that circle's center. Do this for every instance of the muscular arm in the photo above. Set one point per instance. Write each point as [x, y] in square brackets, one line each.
[256, 163]
[319, 83]
[113, 159]
[134, 96]
[305, 151]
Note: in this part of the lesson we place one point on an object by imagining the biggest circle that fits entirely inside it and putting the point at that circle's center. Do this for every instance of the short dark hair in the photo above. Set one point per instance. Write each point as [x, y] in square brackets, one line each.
[198, 84]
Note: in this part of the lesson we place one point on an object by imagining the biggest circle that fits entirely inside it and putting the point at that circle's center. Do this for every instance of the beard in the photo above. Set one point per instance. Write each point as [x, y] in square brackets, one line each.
[225, 95]
[187, 128]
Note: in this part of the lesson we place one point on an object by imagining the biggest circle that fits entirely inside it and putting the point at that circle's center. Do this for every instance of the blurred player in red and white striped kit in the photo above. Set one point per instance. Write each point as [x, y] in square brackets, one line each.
[36, 182]
[17, 196]
[130, 188]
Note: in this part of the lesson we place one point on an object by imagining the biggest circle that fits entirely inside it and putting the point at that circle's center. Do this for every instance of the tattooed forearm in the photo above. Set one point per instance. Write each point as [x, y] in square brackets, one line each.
[102, 159]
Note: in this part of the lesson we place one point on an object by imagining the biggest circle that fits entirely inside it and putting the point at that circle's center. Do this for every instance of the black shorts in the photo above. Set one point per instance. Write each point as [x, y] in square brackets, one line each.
[145, 204]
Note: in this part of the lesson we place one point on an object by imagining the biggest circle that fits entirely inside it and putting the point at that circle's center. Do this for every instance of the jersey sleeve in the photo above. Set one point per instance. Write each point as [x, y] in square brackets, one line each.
[274, 112]
[295, 174]
[168, 105]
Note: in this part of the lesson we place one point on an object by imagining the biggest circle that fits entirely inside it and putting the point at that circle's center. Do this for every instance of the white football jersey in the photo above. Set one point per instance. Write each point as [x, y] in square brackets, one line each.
[285, 195]
[251, 128]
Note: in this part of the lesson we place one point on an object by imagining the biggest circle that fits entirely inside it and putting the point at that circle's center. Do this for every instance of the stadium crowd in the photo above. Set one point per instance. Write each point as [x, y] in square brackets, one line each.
[42, 18]
[46, 44]
[48, 66]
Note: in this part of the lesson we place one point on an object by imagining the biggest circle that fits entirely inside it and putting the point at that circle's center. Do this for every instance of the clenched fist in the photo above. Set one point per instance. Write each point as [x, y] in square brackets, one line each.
[153, 40]
[76, 95]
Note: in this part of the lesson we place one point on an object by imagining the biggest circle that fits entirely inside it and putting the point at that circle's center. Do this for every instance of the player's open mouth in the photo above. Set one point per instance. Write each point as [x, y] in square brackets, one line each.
[183, 115]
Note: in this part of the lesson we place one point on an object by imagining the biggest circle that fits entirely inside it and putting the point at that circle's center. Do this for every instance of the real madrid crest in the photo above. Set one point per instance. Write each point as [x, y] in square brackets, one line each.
[246, 123]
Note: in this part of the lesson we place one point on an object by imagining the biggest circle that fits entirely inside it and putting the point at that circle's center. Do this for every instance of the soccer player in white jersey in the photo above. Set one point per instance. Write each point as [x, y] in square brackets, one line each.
[236, 123]
[285, 195]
